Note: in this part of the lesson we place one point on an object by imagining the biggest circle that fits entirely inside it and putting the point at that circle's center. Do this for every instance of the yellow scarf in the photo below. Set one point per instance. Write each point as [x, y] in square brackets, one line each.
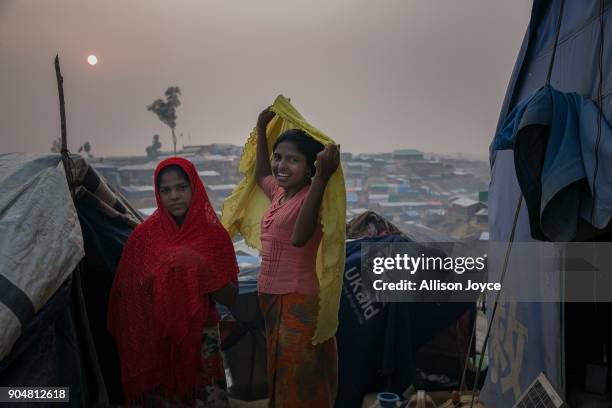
[244, 208]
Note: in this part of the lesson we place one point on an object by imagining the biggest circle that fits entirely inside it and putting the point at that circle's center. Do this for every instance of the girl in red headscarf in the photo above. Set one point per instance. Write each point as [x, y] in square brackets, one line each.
[162, 313]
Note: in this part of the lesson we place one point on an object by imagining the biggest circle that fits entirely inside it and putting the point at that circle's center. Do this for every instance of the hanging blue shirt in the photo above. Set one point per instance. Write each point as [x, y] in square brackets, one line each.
[565, 173]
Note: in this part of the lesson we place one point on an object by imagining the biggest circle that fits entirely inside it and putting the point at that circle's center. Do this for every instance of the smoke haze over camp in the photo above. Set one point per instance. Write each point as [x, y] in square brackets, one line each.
[374, 75]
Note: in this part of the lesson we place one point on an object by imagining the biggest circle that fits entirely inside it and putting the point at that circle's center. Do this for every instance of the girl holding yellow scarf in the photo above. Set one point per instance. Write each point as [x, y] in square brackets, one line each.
[299, 373]
[293, 210]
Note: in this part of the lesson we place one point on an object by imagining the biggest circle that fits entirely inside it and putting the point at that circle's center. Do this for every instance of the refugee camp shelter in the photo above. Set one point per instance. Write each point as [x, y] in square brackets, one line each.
[569, 42]
[402, 339]
[60, 241]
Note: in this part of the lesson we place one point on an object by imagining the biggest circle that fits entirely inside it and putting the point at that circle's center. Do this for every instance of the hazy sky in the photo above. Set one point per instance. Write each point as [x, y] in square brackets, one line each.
[375, 75]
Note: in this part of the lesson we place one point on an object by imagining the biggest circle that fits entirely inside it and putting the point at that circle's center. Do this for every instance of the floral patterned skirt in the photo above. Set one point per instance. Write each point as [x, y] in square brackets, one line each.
[299, 374]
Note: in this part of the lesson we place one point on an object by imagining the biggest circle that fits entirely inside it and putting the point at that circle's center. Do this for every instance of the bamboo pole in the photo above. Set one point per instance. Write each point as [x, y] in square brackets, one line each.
[60, 90]
[77, 286]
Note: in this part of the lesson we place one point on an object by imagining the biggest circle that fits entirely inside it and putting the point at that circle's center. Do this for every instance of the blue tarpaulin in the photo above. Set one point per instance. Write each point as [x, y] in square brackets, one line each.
[378, 342]
[528, 338]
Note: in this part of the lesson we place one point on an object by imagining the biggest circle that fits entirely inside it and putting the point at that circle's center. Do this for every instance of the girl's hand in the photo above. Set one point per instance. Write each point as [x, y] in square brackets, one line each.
[264, 118]
[327, 162]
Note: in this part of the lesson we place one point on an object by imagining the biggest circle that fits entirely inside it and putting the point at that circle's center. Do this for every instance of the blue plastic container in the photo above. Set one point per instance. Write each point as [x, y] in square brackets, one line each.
[388, 399]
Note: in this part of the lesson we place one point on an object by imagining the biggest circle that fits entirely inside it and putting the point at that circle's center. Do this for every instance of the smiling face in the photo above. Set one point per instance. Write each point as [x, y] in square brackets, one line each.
[289, 166]
[175, 194]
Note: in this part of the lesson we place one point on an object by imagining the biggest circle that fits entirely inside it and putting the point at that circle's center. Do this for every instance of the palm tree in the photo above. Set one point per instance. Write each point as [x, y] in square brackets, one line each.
[166, 110]
[87, 148]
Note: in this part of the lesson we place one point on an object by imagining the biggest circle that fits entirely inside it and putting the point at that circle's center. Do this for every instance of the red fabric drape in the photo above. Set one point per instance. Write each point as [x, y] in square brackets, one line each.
[158, 303]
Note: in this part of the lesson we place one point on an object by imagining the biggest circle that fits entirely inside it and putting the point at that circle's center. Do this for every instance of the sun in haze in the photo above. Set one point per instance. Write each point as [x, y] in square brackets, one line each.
[92, 60]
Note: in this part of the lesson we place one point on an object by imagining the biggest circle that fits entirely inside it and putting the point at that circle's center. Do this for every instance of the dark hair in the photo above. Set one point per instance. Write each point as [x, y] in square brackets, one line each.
[169, 168]
[305, 144]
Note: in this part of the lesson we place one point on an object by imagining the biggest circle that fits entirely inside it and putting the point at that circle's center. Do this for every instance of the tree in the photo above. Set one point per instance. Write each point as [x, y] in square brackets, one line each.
[86, 147]
[153, 150]
[166, 110]
[56, 146]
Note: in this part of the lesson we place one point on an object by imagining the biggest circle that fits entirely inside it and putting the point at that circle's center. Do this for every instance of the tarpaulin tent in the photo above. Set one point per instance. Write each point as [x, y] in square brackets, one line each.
[57, 261]
[386, 337]
[569, 42]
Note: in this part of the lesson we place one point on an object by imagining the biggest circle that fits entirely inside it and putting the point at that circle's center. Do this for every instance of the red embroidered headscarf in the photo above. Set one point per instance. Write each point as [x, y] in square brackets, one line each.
[158, 303]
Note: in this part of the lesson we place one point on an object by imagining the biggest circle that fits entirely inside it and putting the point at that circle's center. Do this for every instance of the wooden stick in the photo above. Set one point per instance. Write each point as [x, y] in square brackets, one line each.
[60, 90]
[77, 288]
